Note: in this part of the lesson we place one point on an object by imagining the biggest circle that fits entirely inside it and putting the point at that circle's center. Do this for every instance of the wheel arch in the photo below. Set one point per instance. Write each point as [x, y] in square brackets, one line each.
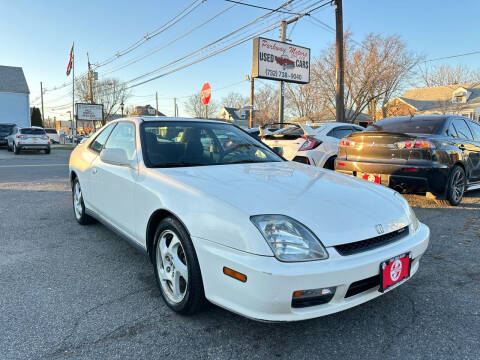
[155, 219]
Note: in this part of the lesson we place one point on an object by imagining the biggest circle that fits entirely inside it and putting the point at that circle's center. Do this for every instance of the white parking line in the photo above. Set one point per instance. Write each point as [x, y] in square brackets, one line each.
[36, 165]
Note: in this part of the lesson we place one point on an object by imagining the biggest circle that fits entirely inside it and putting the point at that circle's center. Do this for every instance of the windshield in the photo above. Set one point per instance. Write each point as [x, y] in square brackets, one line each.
[6, 128]
[196, 143]
[32, 131]
[405, 125]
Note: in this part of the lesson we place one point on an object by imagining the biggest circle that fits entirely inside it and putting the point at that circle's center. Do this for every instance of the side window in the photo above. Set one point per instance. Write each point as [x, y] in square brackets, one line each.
[452, 132]
[99, 141]
[462, 129]
[340, 133]
[123, 137]
[475, 130]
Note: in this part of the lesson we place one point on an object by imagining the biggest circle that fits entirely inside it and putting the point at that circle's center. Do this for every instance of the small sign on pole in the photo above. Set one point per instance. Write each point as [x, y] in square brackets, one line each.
[206, 95]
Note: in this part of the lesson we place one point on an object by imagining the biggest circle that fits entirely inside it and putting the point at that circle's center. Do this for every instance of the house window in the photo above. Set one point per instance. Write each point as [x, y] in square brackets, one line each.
[459, 98]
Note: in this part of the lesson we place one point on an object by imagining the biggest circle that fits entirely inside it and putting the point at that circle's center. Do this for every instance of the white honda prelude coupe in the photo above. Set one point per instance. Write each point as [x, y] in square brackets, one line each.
[223, 218]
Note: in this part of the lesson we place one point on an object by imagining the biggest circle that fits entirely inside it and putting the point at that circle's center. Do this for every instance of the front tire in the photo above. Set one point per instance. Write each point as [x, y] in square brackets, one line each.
[330, 163]
[9, 148]
[78, 204]
[176, 268]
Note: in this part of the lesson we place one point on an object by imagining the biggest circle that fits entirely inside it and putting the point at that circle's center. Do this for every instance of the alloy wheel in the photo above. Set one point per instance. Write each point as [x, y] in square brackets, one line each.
[458, 185]
[77, 200]
[172, 266]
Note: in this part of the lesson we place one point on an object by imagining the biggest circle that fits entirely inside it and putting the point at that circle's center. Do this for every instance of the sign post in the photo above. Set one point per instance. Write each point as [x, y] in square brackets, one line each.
[206, 95]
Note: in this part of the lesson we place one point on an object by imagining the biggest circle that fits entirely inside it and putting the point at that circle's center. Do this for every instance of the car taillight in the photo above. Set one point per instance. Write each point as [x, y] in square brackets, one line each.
[20, 136]
[417, 144]
[309, 143]
[262, 138]
[347, 142]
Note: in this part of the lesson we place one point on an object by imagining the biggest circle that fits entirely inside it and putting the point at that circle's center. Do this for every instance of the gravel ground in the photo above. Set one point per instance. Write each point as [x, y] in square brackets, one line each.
[72, 292]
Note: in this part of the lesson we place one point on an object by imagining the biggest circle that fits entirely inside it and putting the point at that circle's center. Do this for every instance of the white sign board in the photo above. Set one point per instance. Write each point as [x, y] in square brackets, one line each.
[276, 60]
[92, 112]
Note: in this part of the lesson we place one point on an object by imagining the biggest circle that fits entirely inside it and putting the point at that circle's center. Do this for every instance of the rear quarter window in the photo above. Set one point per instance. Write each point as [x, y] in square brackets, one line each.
[409, 126]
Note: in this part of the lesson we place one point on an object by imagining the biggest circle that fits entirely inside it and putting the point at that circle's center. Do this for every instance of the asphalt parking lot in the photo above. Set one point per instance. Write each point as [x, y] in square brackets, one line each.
[72, 292]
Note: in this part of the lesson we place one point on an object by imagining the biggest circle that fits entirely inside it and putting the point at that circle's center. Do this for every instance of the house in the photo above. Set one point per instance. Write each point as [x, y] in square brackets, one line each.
[146, 110]
[240, 116]
[362, 119]
[460, 99]
[14, 96]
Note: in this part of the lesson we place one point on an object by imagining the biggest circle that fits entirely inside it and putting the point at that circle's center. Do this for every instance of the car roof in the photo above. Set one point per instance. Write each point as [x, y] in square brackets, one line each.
[166, 118]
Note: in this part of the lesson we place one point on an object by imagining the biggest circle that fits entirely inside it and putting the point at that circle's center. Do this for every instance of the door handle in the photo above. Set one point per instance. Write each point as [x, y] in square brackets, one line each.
[94, 171]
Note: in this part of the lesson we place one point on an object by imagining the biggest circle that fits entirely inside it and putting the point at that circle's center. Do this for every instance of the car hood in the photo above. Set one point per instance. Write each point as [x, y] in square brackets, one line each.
[337, 208]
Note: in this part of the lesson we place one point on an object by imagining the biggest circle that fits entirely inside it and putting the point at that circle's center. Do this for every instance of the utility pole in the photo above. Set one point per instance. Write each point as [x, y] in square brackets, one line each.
[90, 80]
[41, 95]
[281, 98]
[339, 65]
[175, 113]
[250, 125]
[156, 101]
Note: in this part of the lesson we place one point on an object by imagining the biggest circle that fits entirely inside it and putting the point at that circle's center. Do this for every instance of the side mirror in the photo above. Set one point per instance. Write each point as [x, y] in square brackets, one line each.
[115, 156]
[278, 150]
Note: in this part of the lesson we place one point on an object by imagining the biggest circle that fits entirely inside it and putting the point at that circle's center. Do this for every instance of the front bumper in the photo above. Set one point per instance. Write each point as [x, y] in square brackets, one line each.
[267, 293]
[403, 178]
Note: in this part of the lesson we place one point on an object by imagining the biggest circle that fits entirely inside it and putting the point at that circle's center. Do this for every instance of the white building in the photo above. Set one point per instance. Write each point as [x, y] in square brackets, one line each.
[14, 96]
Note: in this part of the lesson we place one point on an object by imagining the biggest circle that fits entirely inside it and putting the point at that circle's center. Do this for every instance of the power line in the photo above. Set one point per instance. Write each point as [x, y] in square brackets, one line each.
[135, 60]
[453, 56]
[262, 7]
[185, 12]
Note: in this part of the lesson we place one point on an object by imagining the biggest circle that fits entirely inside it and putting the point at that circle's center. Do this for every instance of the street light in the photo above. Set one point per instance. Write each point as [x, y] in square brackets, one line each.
[121, 107]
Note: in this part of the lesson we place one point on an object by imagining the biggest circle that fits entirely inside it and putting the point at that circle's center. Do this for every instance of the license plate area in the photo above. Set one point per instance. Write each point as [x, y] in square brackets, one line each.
[394, 271]
[377, 179]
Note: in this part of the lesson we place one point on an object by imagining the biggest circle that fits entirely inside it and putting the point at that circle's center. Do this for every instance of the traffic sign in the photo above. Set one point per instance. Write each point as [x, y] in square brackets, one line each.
[206, 93]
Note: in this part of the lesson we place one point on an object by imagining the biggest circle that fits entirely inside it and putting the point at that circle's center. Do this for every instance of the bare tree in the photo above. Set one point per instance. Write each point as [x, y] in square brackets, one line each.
[266, 105]
[195, 108]
[442, 75]
[375, 71]
[234, 100]
[303, 100]
[109, 92]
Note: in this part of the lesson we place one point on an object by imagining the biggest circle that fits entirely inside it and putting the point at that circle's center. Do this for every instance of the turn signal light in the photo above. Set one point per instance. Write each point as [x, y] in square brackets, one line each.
[347, 142]
[305, 298]
[234, 274]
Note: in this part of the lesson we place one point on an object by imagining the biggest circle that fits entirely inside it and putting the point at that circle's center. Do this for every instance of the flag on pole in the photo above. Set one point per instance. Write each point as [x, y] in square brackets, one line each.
[70, 62]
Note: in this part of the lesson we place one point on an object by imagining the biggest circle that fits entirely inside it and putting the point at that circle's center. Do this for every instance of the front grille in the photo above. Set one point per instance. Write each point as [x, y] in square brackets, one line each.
[372, 243]
[363, 285]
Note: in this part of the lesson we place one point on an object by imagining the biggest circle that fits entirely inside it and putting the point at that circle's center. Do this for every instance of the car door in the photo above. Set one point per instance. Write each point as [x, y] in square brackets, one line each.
[466, 144]
[114, 185]
[475, 154]
[85, 162]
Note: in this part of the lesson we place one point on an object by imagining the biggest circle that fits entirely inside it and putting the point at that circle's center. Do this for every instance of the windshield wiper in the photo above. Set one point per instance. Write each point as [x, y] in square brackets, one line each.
[245, 162]
[177, 164]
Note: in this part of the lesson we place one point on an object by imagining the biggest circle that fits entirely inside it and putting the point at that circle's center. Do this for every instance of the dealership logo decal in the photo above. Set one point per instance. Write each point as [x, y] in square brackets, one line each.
[396, 270]
[379, 228]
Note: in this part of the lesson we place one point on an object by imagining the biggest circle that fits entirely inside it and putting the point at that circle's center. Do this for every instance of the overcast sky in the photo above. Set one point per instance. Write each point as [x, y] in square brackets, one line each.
[38, 35]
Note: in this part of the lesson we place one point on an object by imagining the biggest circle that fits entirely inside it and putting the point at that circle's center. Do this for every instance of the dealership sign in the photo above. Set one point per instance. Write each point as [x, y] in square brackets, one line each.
[276, 60]
[92, 112]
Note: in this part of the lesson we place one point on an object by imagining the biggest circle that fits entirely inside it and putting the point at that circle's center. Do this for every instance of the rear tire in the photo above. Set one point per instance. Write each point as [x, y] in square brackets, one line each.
[47, 151]
[174, 257]
[330, 163]
[16, 150]
[455, 187]
[9, 148]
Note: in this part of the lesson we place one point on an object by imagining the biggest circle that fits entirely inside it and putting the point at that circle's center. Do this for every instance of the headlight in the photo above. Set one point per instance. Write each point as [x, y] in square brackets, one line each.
[410, 213]
[289, 239]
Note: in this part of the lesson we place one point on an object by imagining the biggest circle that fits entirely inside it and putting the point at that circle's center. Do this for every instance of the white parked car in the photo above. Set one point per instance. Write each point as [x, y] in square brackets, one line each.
[225, 219]
[53, 135]
[321, 145]
[313, 144]
[28, 138]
